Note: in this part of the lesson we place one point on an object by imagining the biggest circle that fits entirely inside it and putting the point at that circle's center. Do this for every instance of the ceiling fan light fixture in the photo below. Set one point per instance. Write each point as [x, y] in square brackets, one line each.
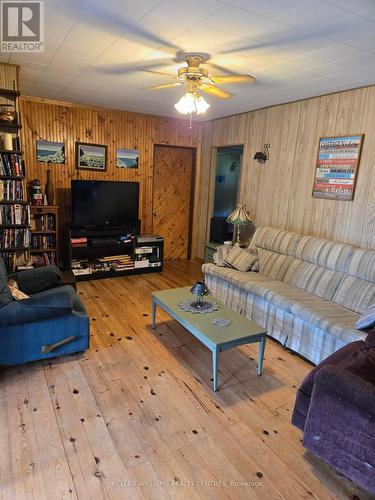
[186, 105]
[191, 103]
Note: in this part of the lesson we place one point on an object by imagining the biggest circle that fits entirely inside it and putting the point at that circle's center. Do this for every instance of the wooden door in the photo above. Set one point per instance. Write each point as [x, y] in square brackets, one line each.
[172, 199]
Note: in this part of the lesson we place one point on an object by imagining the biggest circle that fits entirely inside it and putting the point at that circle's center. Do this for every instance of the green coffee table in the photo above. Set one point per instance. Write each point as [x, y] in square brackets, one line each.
[217, 339]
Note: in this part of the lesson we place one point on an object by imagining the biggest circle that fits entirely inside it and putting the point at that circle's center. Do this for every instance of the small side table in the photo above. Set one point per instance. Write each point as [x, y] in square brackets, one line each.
[69, 279]
[209, 250]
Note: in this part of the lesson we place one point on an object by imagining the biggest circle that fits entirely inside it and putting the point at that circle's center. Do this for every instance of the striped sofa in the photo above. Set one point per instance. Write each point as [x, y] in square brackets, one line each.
[309, 292]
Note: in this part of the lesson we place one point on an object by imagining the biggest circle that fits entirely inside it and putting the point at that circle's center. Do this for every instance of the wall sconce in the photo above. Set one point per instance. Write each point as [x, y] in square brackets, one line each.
[263, 156]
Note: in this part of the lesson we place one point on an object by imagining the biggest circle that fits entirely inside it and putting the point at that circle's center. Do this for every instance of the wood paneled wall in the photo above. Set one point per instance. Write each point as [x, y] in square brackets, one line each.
[8, 76]
[68, 123]
[278, 193]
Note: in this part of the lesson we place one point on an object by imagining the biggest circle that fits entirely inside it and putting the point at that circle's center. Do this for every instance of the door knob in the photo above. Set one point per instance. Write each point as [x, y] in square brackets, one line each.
[154, 213]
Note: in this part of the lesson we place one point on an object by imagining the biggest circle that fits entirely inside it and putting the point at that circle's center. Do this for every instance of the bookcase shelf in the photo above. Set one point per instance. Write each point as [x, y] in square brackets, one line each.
[13, 249]
[12, 177]
[10, 93]
[44, 231]
[12, 151]
[14, 221]
[42, 250]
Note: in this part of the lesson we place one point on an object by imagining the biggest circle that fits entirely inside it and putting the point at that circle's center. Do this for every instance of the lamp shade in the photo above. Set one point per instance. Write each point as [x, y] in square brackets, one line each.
[239, 216]
[200, 289]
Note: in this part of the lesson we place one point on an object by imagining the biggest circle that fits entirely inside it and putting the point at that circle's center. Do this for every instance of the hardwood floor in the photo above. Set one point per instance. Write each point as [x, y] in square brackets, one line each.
[135, 416]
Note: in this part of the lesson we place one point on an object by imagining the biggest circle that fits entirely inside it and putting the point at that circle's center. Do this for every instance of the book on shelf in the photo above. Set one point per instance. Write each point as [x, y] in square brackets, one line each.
[15, 260]
[44, 222]
[11, 165]
[40, 242]
[14, 215]
[15, 238]
[11, 190]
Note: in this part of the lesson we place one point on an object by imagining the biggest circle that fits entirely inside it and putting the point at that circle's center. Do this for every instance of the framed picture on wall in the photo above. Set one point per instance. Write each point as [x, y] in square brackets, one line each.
[50, 152]
[91, 156]
[337, 167]
[127, 158]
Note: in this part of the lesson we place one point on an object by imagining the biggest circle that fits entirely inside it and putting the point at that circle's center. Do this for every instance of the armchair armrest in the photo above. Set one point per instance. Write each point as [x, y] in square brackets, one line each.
[36, 280]
[347, 386]
[36, 309]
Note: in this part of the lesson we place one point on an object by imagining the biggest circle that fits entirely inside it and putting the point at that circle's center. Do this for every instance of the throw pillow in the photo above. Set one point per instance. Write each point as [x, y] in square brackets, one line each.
[221, 254]
[367, 318]
[241, 258]
[15, 291]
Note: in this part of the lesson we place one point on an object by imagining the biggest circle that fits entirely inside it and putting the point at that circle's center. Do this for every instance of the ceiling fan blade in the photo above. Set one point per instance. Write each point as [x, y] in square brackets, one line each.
[165, 86]
[222, 69]
[159, 73]
[123, 69]
[96, 13]
[214, 90]
[233, 79]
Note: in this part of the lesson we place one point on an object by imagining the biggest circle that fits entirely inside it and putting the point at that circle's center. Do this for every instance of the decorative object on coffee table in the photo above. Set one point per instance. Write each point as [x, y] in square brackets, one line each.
[200, 290]
[239, 218]
[221, 322]
[207, 307]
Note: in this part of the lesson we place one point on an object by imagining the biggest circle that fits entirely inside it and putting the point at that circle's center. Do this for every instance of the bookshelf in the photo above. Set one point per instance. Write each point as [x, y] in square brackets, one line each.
[44, 235]
[15, 235]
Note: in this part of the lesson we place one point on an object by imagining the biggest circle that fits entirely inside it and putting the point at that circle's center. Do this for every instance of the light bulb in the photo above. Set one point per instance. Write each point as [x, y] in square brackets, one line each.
[201, 104]
[186, 104]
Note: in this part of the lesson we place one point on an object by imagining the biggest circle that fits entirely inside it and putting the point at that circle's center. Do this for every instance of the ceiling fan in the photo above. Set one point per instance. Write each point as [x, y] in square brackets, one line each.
[197, 78]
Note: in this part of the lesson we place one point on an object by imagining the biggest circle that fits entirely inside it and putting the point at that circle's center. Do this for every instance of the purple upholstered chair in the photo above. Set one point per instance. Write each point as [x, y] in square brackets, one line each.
[335, 407]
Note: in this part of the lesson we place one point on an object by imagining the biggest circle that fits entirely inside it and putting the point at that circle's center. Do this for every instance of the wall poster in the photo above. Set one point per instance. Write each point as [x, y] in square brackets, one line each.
[337, 167]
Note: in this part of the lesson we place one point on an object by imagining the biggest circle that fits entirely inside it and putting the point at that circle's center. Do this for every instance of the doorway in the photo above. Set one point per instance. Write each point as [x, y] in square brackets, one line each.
[173, 199]
[226, 180]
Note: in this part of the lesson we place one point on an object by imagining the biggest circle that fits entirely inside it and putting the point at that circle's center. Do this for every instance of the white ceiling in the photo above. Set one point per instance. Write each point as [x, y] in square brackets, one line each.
[294, 49]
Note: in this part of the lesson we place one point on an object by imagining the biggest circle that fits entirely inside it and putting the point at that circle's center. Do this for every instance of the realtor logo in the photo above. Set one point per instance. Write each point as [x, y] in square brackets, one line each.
[22, 26]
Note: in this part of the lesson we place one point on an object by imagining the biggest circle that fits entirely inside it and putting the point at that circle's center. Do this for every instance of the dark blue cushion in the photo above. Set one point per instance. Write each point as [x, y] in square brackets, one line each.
[36, 309]
[36, 280]
[5, 295]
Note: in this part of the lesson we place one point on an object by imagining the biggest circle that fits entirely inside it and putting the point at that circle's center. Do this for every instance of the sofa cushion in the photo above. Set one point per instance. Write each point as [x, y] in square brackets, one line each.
[316, 279]
[326, 253]
[273, 265]
[280, 294]
[355, 294]
[5, 294]
[362, 264]
[238, 278]
[241, 259]
[328, 317]
[276, 240]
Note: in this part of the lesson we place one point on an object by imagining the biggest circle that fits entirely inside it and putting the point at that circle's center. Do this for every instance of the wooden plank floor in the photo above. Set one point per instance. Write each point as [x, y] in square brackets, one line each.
[135, 416]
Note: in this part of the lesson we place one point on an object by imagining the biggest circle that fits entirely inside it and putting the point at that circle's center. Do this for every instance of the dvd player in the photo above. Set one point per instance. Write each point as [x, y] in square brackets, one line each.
[149, 238]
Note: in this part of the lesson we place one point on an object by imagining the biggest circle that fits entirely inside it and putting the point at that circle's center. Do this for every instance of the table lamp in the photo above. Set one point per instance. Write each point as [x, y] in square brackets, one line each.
[200, 290]
[238, 218]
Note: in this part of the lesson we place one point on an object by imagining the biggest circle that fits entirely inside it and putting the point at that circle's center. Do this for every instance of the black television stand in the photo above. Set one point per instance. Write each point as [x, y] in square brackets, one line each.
[108, 252]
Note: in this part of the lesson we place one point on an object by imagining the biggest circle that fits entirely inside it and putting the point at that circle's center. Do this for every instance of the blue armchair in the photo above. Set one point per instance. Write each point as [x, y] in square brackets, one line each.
[52, 322]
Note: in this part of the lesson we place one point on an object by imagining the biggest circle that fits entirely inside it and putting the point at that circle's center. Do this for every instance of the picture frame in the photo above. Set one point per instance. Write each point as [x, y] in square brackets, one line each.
[127, 158]
[51, 152]
[91, 156]
[337, 167]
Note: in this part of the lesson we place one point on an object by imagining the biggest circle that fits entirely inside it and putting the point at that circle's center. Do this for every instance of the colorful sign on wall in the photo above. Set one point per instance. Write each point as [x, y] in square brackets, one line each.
[337, 167]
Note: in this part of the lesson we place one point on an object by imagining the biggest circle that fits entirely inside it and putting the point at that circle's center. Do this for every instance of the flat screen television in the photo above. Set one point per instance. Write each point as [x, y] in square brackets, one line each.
[104, 203]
